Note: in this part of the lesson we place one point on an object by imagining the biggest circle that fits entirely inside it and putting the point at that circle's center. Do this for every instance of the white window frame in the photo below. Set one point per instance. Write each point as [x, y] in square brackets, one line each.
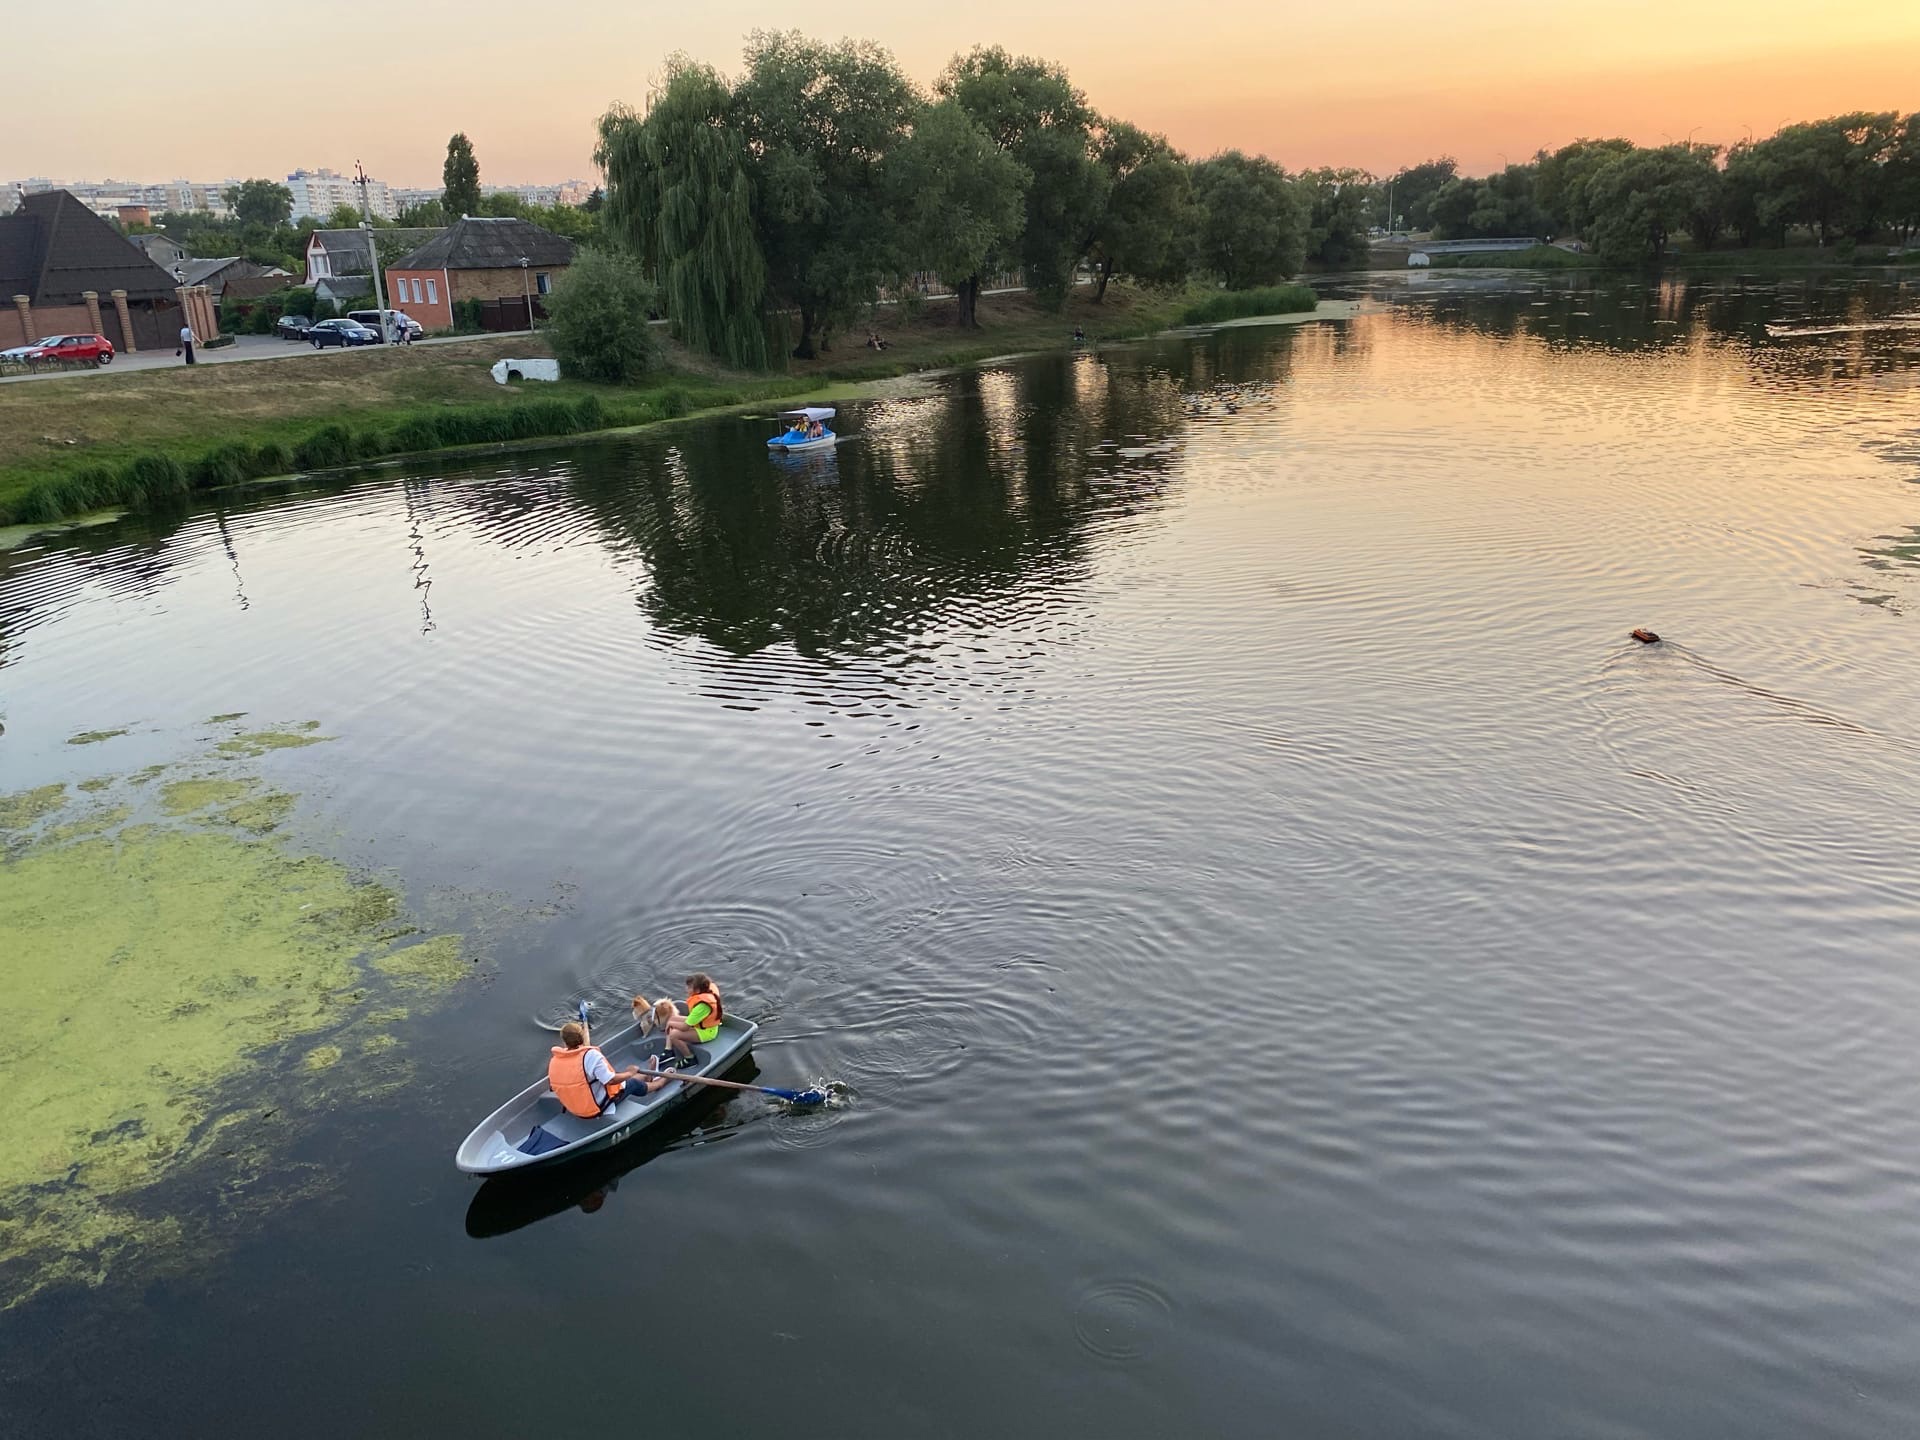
[433, 294]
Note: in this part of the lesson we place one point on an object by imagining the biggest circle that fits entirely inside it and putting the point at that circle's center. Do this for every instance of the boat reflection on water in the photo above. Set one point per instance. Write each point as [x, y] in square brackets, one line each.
[512, 1202]
[816, 466]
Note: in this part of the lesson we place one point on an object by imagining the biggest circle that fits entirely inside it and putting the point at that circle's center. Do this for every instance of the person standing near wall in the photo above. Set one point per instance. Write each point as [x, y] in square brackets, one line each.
[186, 343]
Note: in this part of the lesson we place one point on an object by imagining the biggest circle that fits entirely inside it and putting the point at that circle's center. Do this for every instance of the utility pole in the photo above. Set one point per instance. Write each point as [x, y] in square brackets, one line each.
[373, 256]
[526, 290]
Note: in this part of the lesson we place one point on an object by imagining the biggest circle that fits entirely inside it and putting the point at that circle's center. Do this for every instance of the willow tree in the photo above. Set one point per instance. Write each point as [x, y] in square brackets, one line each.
[958, 200]
[821, 123]
[1145, 229]
[679, 197]
[1031, 110]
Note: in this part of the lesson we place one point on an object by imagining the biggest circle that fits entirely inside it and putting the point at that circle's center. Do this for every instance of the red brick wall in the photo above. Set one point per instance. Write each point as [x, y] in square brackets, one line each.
[433, 314]
[47, 320]
[501, 284]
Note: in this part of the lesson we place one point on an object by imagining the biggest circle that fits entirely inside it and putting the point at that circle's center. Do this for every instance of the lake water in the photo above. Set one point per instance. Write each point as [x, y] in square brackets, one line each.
[1300, 967]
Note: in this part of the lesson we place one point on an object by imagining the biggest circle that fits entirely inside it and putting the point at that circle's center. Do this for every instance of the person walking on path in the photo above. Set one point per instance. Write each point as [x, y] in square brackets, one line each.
[186, 342]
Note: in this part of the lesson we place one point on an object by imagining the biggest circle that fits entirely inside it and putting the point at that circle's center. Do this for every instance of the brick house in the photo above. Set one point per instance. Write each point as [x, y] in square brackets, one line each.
[479, 258]
[67, 271]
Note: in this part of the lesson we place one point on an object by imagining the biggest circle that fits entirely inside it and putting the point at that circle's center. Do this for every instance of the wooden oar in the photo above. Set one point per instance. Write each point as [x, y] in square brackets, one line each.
[813, 1095]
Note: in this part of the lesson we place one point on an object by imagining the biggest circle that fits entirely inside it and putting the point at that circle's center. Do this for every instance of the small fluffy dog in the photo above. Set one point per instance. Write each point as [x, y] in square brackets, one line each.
[653, 1014]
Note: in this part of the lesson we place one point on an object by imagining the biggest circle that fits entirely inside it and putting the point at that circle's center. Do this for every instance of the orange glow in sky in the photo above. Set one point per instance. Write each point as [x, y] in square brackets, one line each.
[1372, 83]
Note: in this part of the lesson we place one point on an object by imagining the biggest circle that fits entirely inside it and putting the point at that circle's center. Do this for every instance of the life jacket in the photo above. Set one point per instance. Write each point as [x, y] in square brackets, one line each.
[714, 1013]
[567, 1074]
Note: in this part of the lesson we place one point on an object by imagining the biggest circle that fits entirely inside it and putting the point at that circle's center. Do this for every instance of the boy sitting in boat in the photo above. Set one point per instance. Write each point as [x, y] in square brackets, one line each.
[581, 1078]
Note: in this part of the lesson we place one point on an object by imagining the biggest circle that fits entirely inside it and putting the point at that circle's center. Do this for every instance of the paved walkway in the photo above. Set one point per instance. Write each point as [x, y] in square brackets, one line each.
[246, 347]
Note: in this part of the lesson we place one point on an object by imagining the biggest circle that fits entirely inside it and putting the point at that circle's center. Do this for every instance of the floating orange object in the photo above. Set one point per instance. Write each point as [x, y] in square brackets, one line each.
[1646, 637]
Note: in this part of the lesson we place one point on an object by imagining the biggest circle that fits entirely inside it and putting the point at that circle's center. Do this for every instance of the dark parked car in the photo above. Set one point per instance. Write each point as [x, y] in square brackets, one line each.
[72, 349]
[292, 327]
[340, 332]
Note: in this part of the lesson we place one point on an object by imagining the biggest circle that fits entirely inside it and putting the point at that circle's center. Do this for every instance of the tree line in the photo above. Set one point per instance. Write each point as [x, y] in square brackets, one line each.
[821, 176]
[1843, 181]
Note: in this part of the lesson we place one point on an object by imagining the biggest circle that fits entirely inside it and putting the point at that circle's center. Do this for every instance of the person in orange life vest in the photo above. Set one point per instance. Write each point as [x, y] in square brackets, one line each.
[701, 1024]
[581, 1077]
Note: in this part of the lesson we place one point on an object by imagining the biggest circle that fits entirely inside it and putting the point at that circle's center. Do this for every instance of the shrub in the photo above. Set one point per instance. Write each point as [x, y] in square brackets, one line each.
[271, 458]
[466, 316]
[218, 342]
[147, 478]
[1234, 304]
[589, 413]
[65, 495]
[223, 465]
[675, 402]
[416, 432]
[597, 319]
[329, 445]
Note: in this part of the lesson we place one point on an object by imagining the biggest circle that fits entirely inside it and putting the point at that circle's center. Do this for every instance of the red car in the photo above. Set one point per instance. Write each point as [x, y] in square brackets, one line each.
[65, 349]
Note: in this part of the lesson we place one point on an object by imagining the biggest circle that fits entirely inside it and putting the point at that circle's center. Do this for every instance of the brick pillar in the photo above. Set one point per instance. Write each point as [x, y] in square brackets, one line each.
[131, 345]
[24, 305]
[92, 297]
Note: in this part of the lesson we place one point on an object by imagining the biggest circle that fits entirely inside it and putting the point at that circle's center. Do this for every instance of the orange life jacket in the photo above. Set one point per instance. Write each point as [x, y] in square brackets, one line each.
[567, 1074]
[714, 1013]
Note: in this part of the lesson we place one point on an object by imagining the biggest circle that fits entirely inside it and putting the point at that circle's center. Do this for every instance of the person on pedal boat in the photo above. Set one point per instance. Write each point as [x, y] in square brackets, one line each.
[582, 1079]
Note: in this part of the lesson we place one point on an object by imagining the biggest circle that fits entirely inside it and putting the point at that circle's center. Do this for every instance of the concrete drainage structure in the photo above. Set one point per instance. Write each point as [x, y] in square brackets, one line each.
[505, 371]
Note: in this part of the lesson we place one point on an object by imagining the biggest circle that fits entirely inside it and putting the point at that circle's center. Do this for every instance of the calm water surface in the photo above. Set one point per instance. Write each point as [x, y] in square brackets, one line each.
[1302, 969]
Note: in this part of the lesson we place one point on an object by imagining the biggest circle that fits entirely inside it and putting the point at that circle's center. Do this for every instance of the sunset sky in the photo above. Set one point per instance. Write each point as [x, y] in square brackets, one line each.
[229, 89]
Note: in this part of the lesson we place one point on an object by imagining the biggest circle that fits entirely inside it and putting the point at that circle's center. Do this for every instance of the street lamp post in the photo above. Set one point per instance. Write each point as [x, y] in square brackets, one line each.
[527, 291]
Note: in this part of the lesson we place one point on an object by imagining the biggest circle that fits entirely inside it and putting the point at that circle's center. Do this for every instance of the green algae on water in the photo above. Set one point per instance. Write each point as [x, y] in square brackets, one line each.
[200, 955]
[257, 743]
[260, 813]
[97, 784]
[94, 737]
[434, 963]
[20, 810]
[223, 719]
[183, 797]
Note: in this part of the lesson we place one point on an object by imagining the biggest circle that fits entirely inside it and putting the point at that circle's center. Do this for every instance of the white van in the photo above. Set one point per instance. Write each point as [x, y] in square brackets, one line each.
[400, 325]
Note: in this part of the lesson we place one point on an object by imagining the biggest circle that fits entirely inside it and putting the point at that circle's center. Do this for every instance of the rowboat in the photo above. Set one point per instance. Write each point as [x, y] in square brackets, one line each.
[534, 1130]
[796, 440]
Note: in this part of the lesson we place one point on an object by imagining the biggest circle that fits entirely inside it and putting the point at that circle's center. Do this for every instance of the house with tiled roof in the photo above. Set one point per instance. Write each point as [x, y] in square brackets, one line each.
[332, 254]
[504, 262]
[66, 270]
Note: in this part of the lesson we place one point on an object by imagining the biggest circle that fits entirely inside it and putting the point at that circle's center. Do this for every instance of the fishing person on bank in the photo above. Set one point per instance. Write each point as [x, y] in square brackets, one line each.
[581, 1078]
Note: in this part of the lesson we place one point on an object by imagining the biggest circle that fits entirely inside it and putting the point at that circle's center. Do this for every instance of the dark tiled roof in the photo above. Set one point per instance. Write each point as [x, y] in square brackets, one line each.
[199, 272]
[53, 248]
[347, 249]
[487, 243]
[251, 287]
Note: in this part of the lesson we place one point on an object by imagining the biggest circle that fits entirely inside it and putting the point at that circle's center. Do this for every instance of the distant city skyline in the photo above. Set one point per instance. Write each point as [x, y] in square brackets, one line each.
[316, 191]
[1380, 86]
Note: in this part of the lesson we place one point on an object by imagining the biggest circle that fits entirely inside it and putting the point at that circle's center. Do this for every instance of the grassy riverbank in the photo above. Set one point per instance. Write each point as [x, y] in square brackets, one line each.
[144, 437]
[1760, 259]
